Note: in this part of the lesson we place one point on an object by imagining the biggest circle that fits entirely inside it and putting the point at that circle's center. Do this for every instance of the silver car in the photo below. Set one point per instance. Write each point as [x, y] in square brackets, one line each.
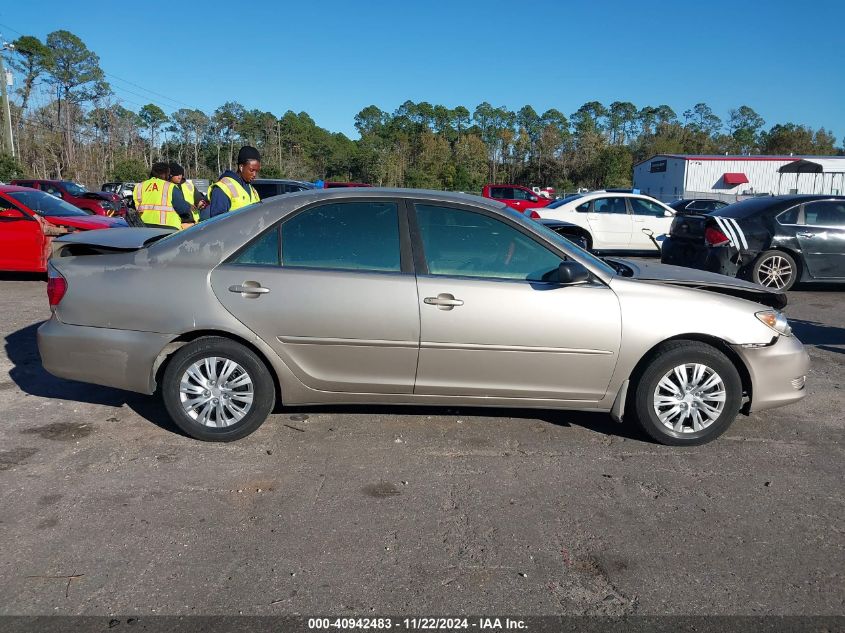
[408, 297]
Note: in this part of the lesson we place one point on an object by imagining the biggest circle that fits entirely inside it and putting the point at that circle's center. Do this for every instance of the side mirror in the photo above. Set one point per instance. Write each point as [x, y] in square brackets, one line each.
[11, 214]
[668, 214]
[569, 272]
[534, 199]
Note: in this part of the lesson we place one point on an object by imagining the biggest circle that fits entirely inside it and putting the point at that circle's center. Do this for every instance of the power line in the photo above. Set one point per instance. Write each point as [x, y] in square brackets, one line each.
[176, 101]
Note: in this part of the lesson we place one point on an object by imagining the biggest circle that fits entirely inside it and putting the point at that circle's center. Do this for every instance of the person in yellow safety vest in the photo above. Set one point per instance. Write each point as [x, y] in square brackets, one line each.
[161, 203]
[194, 198]
[233, 190]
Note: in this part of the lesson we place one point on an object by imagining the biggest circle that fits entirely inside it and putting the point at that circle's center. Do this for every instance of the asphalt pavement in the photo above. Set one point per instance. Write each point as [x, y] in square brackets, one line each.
[105, 508]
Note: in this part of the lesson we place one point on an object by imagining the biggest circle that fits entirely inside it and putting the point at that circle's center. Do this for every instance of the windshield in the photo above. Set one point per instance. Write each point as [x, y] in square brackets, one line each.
[46, 205]
[562, 201]
[73, 188]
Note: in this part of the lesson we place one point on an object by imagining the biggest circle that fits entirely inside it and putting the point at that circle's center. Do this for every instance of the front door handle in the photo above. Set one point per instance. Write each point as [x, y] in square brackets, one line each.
[250, 289]
[443, 301]
[805, 234]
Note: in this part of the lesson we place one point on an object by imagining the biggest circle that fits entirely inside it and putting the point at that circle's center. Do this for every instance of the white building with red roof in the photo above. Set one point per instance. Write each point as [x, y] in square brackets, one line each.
[670, 177]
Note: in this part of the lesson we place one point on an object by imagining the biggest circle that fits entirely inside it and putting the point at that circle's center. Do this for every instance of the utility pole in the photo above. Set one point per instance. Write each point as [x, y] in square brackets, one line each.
[5, 46]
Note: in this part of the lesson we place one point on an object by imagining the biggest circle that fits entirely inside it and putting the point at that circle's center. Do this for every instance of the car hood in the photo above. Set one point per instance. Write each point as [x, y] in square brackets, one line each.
[85, 223]
[702, 280]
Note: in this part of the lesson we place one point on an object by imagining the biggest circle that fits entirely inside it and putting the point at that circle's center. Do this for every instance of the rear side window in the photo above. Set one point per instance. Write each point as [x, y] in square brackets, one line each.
[349, 236]
[610, 205]
[825, 213]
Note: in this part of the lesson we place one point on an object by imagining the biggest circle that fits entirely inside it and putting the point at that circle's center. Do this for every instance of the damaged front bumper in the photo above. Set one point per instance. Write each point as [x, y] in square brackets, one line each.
[778, 373]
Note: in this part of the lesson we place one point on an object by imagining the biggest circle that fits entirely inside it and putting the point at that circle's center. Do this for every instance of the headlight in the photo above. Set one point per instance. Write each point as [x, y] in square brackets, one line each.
[776, 321]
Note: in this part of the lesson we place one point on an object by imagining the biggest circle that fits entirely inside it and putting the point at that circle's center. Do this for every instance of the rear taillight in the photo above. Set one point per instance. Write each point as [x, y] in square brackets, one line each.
[56, 288]
[534, 215]
[714, 237]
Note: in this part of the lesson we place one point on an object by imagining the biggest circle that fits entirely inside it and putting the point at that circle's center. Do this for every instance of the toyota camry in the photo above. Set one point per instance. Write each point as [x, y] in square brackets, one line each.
[408, 297]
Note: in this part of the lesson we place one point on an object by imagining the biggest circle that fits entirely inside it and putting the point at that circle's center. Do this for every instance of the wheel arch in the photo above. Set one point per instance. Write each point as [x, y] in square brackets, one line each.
[714, 341]
[180, 341]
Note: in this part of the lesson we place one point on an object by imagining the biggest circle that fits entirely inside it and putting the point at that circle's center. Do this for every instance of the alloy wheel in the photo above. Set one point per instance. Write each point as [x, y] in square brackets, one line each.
[775, 271]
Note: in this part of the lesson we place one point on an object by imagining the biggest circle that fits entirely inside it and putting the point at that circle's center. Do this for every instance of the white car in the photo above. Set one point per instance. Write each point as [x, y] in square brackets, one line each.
[614, 221]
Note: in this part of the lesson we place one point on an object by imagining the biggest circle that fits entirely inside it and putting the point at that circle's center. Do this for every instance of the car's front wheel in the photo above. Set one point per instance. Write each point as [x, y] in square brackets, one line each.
[688, 394]
[217, 390]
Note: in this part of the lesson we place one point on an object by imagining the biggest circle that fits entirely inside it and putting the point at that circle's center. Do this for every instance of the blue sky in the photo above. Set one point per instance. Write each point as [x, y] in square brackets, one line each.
[332, 58]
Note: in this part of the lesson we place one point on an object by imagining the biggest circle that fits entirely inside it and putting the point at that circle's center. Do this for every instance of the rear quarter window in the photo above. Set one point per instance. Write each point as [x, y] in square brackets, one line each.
[789, 217]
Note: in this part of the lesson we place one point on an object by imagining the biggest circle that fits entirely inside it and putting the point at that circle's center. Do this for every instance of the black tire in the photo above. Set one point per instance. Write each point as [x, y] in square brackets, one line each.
[263, 388]
[665, 359]
[769, 260]
[588, 242]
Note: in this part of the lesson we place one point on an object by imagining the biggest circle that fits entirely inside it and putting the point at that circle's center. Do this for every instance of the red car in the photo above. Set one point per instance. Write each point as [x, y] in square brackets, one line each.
[99, 202]
[29, 219]
[516, 197]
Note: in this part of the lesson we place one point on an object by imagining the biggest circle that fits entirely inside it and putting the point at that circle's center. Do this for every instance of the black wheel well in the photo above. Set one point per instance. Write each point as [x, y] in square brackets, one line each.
[189, 337]
[713, 341]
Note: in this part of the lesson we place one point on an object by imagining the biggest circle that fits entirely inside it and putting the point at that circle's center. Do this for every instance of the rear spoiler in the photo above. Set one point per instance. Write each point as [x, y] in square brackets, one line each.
[119, 240]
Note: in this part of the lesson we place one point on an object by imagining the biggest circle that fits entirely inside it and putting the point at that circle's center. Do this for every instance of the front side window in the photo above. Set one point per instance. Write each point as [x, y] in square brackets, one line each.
[521, 194]
[825, 213]
[615, 206]
[264, 251]
[458, 242]
[646, 207]
[345, 235]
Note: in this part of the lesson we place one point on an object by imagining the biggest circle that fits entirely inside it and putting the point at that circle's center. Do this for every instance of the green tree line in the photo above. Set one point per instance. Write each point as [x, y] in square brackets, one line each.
[79, 130]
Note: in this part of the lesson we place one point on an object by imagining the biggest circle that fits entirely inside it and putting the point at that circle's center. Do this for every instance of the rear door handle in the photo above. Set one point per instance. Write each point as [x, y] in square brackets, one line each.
[805, 234]
[249, 288]
[443, 301]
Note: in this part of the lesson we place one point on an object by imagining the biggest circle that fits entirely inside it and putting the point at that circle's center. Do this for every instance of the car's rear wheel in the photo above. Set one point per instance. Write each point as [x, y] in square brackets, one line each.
[688, 394]
[775, 269]
[217, 390]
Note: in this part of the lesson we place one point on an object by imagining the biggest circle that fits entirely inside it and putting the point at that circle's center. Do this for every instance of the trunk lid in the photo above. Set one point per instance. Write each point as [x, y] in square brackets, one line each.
[116, 240]
[689, 226]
